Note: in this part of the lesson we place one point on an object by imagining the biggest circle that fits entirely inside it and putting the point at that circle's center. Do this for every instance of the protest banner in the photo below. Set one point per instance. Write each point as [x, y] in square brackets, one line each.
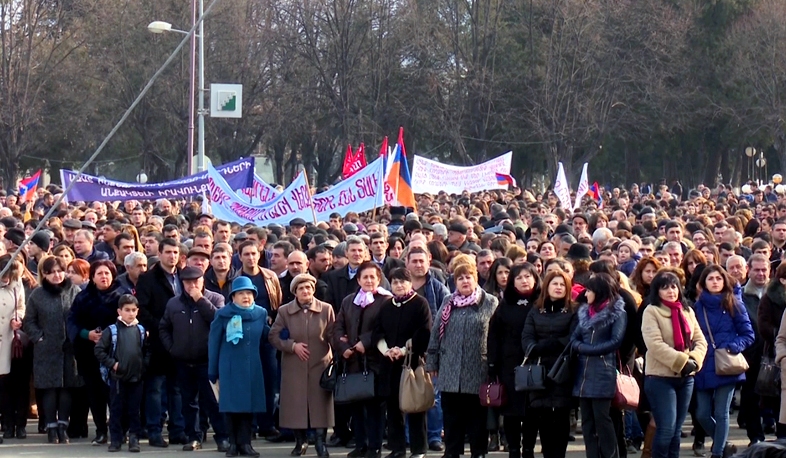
[432, 177]
[261, 192]
[238, 175]
[561, 187]
[357, 194]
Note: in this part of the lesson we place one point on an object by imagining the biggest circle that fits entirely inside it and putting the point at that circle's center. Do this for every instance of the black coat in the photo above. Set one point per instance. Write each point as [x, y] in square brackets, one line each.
[154, 291]
[131, 353]
[771, 308]
[548, 330]
[185, 327]
[389, 264]
[396, 324]
[628, 347]
[358, 325]
[505, 352]
[92, 309]
[339, 286]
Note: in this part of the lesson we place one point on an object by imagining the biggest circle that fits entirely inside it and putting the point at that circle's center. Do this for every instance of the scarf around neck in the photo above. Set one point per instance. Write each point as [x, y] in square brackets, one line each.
[459, 301]
[679, 325]
[364, 298]
[398, 301]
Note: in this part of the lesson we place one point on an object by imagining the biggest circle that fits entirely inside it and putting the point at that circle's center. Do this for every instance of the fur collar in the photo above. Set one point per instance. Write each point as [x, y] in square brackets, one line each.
[603, 318]
[776, 292]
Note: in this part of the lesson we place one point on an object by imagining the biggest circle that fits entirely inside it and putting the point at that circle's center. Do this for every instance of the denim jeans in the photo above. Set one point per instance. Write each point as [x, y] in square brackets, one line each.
[669, 399]
[434, 423]
[154, 408]
[712, 410]
[197, 397]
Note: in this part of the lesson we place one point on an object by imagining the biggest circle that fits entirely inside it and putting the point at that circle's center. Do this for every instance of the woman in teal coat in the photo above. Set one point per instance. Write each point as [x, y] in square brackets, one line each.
[236, 335]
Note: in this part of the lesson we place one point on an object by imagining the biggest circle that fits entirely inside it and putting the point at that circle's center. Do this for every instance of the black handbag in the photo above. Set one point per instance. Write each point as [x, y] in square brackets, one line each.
[529, 377]
[561, 373]
[768, 381]
[354, 387]
[327, 381]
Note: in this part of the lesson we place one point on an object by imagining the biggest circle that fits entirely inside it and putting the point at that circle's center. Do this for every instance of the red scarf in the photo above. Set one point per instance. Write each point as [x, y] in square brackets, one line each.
[679, 325]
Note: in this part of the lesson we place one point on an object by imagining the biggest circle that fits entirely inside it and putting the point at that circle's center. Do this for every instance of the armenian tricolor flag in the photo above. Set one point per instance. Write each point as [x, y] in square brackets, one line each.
[398, 176]
[28, 186]
[505, 180]
[596, 193]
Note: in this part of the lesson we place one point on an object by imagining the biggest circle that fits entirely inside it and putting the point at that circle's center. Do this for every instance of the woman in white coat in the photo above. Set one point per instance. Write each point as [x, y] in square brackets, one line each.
[14, 372]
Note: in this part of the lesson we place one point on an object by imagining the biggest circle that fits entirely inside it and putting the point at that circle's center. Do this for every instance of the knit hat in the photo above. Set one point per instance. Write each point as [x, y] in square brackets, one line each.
[16, 236]
[42, 240]
[302, 278]
[631, 244]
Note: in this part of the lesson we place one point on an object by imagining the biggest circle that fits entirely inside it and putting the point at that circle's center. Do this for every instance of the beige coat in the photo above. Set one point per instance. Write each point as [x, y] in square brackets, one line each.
[301, 397]
[7, 307]
[780, 354]
[662, 359]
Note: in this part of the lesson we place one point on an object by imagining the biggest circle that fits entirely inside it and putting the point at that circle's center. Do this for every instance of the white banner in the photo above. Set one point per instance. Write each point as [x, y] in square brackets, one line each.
[432, 177]
[357, 194]
[583, 187]
[561, 188]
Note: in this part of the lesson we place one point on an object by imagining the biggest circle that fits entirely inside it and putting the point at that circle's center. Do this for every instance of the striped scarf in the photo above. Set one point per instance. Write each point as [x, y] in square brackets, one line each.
[456, 300]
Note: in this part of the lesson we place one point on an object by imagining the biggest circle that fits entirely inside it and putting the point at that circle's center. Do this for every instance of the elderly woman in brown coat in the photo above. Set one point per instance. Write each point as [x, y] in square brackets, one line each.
[302, 333]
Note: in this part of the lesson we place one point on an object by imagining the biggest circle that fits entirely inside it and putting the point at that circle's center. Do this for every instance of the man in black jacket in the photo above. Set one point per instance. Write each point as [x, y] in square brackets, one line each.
[220, 274]
[342, 282]
[184, 331]
[153, 290]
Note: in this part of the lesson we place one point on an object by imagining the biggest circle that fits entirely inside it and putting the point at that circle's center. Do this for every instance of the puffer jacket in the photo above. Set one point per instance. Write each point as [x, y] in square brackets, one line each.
[596, 340]
[549, 330]
[732, 332]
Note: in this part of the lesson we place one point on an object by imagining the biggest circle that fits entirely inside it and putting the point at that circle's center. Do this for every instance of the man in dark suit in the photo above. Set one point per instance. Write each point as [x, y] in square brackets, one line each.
[153, 290]
[342, 282]
[379, 248]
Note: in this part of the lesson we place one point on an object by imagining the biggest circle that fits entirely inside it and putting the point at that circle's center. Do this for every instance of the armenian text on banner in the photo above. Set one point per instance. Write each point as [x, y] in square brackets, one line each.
[238, 175]
[432, 177]
[358, 194]
[261, 192]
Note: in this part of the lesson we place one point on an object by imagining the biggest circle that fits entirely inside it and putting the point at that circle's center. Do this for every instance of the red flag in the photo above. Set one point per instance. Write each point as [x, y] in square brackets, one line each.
[360, 156]
[383, 150]
[353, 162]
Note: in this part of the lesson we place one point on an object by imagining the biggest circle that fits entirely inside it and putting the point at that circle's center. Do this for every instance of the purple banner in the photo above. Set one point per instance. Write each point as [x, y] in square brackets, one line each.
[238, 174]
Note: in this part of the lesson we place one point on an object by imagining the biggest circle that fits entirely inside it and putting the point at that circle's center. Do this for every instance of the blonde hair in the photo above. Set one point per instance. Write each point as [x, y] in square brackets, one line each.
[465, 269]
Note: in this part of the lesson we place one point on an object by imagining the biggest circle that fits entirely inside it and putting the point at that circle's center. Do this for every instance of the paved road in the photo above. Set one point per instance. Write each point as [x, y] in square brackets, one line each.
[35, 446]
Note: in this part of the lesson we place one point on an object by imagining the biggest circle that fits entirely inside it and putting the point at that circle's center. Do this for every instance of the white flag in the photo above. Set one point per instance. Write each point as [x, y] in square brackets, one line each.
[561, 188]
[583, 187]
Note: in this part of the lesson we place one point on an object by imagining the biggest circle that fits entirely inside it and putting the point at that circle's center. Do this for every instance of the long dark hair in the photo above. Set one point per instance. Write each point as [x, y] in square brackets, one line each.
[511, 293]
[604, 286]
[661, 280]
[727, 293]
[491, 285]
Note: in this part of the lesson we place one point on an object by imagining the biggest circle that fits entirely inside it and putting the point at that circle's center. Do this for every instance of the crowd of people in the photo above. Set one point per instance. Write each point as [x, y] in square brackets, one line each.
[168, 325]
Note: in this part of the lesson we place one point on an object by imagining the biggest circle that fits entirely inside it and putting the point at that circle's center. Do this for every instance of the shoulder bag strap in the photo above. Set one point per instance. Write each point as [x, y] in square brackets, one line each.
[709, 331]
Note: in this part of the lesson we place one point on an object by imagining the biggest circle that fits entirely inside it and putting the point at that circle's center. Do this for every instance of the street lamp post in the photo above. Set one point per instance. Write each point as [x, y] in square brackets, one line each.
[161, 27]
[750, 152]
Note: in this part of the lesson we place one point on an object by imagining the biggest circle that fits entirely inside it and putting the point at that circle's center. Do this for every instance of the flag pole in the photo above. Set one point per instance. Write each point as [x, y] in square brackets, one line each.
[310, 199]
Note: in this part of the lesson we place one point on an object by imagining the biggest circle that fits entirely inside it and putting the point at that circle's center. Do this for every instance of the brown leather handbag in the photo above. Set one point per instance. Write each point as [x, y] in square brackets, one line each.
[416, 391]
[21, 340]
